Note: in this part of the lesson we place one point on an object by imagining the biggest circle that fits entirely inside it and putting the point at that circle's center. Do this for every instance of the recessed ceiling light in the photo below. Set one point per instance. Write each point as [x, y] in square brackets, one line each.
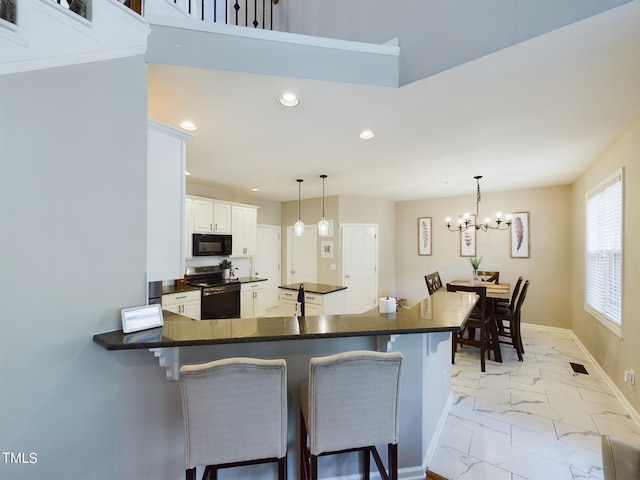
[288, 100]
[254, 189]
[187, 173]
[367, 135]
[189, 125]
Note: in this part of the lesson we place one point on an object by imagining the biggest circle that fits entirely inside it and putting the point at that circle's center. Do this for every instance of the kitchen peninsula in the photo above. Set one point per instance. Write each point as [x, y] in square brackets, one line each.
[320, 299]
[421, 333]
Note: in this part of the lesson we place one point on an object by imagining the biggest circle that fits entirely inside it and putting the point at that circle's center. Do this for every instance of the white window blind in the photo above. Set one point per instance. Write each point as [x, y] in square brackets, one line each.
[604, 227]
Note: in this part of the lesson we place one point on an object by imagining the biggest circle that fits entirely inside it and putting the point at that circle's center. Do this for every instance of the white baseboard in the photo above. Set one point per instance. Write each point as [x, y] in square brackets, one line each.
[616, 391]
[433, 444]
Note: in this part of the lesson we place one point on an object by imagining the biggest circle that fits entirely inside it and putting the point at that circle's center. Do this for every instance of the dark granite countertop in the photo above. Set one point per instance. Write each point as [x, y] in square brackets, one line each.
[251, 279]
[442, 312]
[169, 289]
[319, 288]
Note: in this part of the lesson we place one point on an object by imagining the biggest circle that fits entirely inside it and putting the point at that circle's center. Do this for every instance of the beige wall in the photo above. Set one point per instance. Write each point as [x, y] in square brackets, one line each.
[614, 354]
[347, 209]
[311, 213]
[549, 265]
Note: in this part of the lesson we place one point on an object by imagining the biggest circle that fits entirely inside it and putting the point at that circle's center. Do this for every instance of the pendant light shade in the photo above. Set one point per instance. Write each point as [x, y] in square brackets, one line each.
[298, 227]
[323, 225]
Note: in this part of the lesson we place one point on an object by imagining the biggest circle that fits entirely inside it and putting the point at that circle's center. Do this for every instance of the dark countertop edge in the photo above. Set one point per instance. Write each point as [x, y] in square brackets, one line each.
[171, 289]
[236, 340]
[333, 289]
[251, 279]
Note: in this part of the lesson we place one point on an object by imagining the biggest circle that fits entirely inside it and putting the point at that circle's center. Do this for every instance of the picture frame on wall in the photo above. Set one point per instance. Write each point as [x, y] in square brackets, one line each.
[326, 249]
[424, 236]
[468, 239]
[520, 235]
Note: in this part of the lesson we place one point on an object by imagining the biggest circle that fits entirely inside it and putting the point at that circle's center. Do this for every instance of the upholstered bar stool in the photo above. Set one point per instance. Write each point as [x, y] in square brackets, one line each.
[350, 403]
[235, 413]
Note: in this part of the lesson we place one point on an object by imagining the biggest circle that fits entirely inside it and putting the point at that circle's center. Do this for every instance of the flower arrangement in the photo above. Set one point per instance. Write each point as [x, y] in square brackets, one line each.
[226, 264]
[475, 262]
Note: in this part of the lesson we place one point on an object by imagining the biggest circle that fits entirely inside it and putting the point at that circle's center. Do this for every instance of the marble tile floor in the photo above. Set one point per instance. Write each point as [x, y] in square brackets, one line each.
[534, 420]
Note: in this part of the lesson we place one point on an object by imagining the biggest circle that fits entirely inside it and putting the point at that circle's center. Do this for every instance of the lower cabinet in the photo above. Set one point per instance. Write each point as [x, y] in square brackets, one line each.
[184, 303]
[252, 302]
[314, 303]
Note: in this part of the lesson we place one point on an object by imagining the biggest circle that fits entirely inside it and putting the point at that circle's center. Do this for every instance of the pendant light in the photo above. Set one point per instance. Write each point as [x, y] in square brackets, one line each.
[298, 227]
[323, 225]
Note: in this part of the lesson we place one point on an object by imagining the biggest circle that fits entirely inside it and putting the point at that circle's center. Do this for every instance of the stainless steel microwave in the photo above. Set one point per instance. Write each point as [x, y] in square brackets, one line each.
[211, 244]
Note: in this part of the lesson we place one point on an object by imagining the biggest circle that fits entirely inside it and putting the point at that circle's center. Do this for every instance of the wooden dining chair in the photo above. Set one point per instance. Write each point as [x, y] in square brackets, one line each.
[433, 282]
[509, 323]
[503, 307]
[479, 319]
[488, 276]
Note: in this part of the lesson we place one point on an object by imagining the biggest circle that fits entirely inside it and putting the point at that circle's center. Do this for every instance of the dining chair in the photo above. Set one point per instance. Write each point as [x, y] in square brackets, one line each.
[503, 307]
[488, 276]
[511, 329]
[350, 403]
[479, 319]
[620, 459]
[235, 414]
[433, 282]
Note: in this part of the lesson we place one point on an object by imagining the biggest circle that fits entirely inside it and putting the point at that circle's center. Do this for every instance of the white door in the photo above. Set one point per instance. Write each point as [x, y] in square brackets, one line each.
[360, 266]
[302, 256]
[267, 262]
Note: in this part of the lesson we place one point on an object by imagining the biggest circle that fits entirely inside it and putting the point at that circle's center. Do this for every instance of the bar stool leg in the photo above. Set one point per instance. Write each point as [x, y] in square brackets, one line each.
[366, 463]
[314, 467]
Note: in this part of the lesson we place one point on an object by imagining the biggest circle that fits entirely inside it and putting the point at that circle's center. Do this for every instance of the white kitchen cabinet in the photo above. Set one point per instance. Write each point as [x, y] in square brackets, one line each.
[185, 303]
[188, 228]
[289, 305]
[221, 217]
[211, 216]
[166, 161]
[244, 228]
[252, 302]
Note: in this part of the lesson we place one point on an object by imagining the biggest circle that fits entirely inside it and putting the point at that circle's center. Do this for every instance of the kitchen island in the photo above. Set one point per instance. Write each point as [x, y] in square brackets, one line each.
[320, 299]
[421, 333]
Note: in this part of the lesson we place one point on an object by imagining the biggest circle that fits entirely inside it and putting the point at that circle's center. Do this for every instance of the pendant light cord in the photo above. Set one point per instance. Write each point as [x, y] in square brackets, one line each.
[323, 177]
[299, 186]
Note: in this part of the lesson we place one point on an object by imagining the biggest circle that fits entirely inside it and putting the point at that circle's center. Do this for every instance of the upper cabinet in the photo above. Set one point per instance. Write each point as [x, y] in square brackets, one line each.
[210, 216]
[166, 161]
[244, 228]
[206, 215]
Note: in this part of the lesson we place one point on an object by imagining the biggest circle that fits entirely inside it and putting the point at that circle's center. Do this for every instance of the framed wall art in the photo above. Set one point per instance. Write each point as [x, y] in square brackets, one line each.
[520, 235]
[326, 249]
[424, 236]
[468, 240]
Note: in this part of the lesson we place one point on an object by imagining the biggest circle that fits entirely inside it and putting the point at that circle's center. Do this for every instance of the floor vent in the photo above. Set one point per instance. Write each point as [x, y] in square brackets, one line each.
[578, 368]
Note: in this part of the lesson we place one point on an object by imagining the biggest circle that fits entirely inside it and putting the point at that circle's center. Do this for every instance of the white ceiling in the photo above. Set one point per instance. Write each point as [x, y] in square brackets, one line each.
[534, 114]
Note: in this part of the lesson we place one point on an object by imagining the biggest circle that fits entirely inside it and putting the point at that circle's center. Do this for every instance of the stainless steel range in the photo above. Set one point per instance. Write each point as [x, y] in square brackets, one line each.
[220, 297]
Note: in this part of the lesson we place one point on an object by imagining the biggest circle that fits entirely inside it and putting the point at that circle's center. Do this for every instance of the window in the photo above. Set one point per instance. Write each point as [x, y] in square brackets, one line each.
[604, 227]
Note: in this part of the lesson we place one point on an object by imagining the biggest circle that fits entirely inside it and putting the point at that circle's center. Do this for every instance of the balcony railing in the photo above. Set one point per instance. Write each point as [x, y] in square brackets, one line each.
[244, 13]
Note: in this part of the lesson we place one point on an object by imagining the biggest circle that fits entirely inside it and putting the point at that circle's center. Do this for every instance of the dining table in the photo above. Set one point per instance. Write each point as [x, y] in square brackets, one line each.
[496, 293]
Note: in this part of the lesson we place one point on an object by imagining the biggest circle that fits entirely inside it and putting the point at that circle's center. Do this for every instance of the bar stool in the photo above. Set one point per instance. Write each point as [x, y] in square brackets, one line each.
[235, 413]
[350, 403]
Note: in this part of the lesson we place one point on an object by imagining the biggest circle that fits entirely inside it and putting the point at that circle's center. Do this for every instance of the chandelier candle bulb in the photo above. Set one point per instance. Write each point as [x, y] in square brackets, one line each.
[465, 221]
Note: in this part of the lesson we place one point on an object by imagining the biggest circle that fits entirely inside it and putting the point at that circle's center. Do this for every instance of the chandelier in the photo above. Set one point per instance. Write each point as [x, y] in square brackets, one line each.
[465, 222]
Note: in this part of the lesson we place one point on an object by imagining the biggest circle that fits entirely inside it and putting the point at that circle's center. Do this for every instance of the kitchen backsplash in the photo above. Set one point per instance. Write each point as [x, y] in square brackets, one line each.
[243, 264]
